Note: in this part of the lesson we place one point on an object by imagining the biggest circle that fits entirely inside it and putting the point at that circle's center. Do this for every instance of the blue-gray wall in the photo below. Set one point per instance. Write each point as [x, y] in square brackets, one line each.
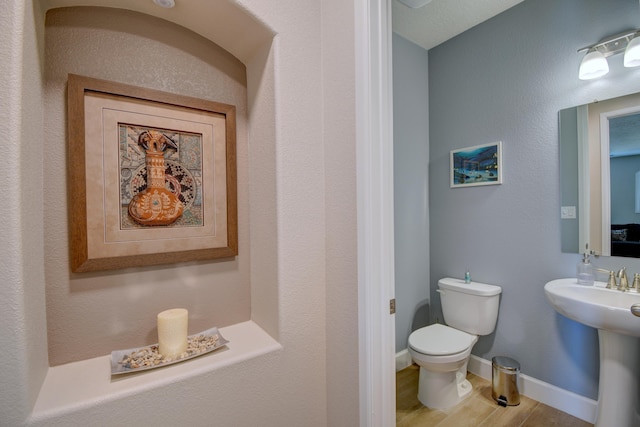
[505, 80]
[411, 187]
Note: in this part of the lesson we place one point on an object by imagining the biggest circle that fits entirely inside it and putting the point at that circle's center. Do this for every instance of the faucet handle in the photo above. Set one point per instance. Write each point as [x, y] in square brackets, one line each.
[611, 284]
[636, 282]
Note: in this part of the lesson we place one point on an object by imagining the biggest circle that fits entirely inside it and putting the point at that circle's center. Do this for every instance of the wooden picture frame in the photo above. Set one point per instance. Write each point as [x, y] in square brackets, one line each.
[475, 166]
[152, 177]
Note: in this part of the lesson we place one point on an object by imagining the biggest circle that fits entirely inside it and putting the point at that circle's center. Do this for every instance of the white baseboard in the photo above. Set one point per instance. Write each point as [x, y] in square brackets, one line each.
[403, 360]
[563, 400]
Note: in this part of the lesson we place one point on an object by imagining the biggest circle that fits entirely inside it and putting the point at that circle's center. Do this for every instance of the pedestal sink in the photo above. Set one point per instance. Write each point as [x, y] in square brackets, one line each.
[609, 311]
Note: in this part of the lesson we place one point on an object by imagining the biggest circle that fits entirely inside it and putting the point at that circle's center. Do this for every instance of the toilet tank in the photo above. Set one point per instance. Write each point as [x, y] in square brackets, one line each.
[470, 307]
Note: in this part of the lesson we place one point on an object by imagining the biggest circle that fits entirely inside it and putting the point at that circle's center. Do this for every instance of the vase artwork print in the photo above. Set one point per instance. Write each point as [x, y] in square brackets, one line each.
[160, 177]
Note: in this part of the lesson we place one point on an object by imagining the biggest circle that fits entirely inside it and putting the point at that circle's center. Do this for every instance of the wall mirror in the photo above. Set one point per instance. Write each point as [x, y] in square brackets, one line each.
[600, 177]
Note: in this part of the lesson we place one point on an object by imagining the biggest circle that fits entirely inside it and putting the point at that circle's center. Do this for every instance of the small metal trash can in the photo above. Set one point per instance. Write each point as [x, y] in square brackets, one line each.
[504, 381]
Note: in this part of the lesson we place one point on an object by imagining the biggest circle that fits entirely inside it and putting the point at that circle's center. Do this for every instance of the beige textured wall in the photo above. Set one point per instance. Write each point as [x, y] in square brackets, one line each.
[341, 215]
[91, 314]
[22, 306]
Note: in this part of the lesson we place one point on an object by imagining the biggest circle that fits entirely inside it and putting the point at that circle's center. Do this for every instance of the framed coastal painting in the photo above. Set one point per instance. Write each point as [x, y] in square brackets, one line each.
[151, 177]
[477, 165]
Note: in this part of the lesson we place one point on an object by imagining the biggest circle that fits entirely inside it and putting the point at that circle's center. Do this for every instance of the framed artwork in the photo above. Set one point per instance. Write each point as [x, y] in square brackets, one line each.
[477, 165]
[152, 177]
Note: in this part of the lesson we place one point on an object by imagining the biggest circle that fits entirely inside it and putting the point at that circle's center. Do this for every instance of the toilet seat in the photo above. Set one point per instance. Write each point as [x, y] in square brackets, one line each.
[440, 340]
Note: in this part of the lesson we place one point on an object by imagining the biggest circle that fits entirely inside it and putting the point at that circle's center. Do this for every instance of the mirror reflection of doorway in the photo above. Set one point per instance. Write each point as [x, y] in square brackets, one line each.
[624, 200]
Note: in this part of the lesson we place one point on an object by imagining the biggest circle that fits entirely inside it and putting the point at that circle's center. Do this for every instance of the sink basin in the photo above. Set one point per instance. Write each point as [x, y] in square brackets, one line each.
[595, 306]
[609, 311]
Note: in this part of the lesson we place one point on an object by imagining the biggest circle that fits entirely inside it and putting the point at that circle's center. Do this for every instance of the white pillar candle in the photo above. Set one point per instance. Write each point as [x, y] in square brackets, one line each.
[172, 332]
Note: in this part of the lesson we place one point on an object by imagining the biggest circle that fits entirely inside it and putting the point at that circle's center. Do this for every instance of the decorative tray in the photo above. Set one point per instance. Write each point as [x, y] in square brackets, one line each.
[148, 357]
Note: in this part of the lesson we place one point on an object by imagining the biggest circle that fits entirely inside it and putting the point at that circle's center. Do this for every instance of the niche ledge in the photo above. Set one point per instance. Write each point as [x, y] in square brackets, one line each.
[74, 386]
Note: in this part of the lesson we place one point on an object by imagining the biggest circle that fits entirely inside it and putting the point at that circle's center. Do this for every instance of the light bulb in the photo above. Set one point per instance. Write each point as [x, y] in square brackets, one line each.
[593, 65]
[632, 53]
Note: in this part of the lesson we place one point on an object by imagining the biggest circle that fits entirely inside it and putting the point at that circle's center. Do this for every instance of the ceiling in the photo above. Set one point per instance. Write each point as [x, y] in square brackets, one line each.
[441, 20]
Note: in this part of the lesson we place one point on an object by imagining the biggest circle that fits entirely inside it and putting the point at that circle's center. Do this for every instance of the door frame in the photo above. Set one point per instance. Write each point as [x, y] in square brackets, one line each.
[374, 147]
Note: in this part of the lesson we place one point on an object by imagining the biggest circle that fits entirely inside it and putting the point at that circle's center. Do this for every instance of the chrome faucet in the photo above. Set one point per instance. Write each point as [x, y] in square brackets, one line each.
[624, 282]
[636, 282]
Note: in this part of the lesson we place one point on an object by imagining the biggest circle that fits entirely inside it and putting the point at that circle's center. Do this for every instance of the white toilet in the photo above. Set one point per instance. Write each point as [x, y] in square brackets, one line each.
[442, 352]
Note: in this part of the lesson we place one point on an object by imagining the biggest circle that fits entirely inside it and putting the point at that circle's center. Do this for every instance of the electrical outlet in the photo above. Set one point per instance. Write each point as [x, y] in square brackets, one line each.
[568, 212]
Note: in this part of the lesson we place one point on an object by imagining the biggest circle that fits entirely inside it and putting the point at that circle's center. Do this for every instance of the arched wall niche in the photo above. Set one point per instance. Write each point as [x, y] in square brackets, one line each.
[250, 41]
[293, 275]
[224, 22]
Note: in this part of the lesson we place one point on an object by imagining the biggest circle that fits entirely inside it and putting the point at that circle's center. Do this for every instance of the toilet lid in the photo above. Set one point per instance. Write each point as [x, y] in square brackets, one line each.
[440, 340]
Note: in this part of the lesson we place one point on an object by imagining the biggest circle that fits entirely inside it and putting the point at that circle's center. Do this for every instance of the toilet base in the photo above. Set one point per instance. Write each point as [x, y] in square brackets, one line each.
[442, 390]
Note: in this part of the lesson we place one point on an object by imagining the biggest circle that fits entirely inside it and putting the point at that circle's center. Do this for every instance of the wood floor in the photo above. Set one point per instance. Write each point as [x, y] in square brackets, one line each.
[478, 410]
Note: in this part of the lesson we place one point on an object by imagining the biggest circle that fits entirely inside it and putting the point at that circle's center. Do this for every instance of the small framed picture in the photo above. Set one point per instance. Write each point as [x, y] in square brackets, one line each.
[477, 165]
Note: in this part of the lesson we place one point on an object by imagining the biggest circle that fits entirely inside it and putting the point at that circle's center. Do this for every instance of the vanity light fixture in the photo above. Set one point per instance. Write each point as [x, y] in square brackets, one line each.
[167, 4]
[595, 65]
